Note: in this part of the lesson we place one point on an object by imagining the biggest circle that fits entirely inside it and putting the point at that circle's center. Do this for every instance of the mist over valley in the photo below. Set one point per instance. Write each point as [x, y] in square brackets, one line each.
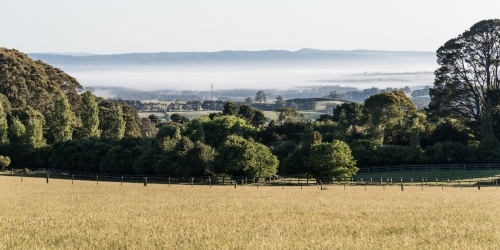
[276, 70]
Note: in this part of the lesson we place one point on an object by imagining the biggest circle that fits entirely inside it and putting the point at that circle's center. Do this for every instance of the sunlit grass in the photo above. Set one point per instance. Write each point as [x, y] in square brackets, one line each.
[85, 215]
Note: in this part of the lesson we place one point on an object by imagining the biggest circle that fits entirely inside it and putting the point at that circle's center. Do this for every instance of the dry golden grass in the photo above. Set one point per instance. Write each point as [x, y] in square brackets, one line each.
[59, 215]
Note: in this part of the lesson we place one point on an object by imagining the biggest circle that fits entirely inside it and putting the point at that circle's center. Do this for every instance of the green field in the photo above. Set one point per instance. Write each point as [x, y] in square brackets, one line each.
[432, 175]
[322, 104]
[84, 215]
[312, 114]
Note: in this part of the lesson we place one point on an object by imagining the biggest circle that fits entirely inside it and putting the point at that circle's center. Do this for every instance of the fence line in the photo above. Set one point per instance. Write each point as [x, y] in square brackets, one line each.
[295, 180]
[436, 167]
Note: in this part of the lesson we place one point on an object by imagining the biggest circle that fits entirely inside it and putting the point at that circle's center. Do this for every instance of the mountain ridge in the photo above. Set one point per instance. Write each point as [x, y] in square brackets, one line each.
[235, 56]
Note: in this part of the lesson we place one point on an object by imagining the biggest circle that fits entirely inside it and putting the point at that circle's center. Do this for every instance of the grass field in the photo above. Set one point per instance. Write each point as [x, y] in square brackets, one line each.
[84, 215]
[432, 175]
[313, 114]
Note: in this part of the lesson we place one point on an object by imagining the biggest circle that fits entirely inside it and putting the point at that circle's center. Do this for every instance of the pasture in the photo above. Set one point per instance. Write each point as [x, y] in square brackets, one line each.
[312, 114]
[83, 215]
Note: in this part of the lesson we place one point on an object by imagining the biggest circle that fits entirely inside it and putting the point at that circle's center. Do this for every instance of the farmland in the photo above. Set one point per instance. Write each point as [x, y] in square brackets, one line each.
[312, 114]
[109, 216]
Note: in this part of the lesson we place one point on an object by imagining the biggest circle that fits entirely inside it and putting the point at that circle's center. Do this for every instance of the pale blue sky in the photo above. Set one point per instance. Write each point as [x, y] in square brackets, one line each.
[123, 26]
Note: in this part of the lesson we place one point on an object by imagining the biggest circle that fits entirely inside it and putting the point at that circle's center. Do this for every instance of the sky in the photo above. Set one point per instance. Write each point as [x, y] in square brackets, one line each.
[126, 26]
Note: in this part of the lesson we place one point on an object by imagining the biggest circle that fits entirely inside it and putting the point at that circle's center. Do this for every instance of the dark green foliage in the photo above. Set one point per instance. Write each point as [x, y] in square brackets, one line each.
[240, 157]
[467, 77]
[120, 159]
[170, 161]
[353, 112]
[284, 149]
[252, 115]
[331, 159]
[4, 127]
[451, 130]
[489, 147]
[198, 160]
[451, 152]
[178, 118]
[230, 108]
[294, 163]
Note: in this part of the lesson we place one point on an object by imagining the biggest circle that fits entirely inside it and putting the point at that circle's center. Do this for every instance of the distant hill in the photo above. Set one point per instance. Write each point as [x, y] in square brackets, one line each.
[232, 57]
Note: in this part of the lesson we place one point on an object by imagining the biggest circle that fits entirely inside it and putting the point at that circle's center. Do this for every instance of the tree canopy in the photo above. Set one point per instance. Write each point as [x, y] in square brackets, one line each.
[468, 75]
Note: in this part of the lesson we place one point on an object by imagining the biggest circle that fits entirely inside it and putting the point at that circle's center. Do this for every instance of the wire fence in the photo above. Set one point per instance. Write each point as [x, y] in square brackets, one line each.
[436, 167]
[294, 180]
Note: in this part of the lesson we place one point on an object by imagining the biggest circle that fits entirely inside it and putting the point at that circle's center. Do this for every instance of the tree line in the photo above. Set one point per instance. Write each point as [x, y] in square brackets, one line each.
[47, 120]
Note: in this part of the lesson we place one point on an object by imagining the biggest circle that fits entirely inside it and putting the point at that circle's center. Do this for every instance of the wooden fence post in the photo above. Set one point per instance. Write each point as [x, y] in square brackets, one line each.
[72, 178]
[22, 174]
[47, 180]
[97, 178]
[478, 185]
[402, 189]
[145, 181]
[121, 182]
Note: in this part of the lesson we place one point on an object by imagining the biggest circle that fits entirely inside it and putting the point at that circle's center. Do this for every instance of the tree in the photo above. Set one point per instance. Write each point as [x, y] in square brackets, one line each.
[217, 130]
[119, 159]
[4, 162]
[117, 128]
[376, 127]
[280, 103]
[17, 131]
[248, 100]
[178, 118]
[286, 115]
[252, 115]
[34, 129]
[260, 97]
[489, 147]
[353, 112]
[331, 159]
[240, 157]
[295, 163]
[467, 79]
[90, 116]
[333, 95]
[230, 108]
[389, 112]
[4, 128]
[198, 160]
[62, 119]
